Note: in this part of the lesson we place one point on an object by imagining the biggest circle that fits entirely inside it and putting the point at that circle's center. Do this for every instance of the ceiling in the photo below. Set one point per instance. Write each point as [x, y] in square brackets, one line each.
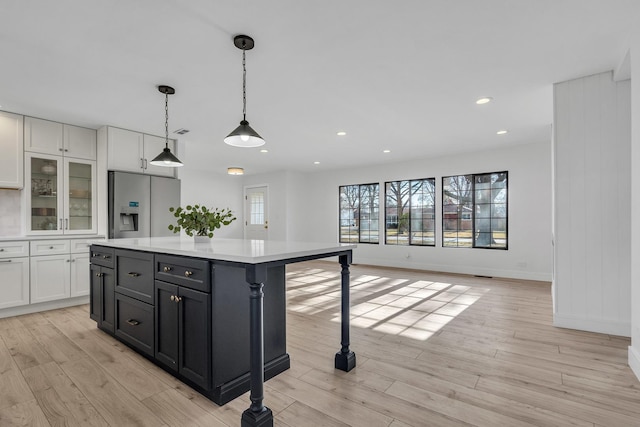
[400, 76]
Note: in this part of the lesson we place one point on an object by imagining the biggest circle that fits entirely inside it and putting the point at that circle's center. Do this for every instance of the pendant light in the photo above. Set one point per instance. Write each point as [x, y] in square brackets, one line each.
[166, 159]
[244, 135]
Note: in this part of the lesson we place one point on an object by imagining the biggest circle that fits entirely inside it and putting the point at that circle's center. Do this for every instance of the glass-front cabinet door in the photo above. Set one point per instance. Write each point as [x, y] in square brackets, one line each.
[44, 199]
[80, 205]
[60, 195]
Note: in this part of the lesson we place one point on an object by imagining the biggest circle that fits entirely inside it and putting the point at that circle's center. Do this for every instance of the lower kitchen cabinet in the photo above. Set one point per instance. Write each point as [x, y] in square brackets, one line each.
[59, 269]
[102, 302]
[134, 323]
[14, 286]
[183, 332]
[50, 278]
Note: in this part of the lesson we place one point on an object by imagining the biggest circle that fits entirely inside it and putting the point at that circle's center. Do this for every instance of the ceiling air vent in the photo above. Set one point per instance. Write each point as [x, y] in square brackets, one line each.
[181, 131]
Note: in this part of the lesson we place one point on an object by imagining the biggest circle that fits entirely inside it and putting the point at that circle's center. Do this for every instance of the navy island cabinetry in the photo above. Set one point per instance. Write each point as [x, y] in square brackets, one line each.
[212, 314]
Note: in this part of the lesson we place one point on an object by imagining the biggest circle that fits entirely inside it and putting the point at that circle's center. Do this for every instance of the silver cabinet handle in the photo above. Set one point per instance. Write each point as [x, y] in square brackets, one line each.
[133, 322]
[66, 223]
[141, 163]
[145, 163]
[99, 274]
[166, 269]
[1, 249]
[134, 274]
[50, 247]
[105, 257]
[5, 260]
[188, 273]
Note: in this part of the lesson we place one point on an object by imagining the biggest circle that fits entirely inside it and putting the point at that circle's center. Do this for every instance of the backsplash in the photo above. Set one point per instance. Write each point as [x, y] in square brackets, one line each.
[10, 213]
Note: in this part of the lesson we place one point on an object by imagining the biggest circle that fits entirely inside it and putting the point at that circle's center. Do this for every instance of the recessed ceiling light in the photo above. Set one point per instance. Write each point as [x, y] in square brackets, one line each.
[316, 163]
[484, 100]
[341, 133]
[264, 151]
[386, 151]
[501, 132]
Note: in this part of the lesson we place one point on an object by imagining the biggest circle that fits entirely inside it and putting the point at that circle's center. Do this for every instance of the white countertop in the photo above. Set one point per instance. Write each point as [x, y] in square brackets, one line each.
[236, 250]
[50, 237]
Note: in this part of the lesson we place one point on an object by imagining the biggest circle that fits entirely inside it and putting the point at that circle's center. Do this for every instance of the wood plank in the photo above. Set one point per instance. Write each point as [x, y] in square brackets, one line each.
[116, 405]
[174, 409]
[59, 397]
[451, 407]
[25, 414]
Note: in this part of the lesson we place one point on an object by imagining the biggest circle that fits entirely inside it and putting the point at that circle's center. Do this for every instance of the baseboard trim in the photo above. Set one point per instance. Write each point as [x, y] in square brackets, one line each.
[43, 306]
[611, 327]
[634, 361]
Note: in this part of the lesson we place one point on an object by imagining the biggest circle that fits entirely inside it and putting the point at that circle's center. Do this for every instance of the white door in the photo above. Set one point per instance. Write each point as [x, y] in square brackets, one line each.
[14, 287]
[256, 223]
[80, 274]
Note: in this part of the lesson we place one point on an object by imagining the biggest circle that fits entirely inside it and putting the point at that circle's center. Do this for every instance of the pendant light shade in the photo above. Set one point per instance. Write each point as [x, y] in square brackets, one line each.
[244, 135]
[166, 158]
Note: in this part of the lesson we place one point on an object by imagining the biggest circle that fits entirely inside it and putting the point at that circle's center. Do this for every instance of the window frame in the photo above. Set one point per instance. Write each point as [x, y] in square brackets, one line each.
[474, 207]
[410, 182]
[359, 219]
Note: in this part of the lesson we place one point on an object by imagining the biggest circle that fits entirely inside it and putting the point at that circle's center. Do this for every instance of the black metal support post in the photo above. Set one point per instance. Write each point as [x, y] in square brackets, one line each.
[345, 358]
[257, 415]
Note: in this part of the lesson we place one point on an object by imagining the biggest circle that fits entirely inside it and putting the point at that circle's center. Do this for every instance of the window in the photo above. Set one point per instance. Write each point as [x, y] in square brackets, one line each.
[410, 212]
[474, 210]
[359, 213]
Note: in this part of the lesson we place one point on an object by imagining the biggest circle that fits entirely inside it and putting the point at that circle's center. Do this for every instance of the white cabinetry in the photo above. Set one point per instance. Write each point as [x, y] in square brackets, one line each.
[131, 151]
[11, 144]
[59, 269]
[47, 137]
[60, 197]
[14, 274]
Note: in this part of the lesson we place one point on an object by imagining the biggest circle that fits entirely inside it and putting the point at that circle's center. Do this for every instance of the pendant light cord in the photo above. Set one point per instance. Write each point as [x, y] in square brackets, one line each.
[166, 120]
[244, 86]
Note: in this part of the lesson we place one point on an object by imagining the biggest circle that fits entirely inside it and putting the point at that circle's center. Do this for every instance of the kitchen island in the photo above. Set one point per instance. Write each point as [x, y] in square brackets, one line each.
[211, 313]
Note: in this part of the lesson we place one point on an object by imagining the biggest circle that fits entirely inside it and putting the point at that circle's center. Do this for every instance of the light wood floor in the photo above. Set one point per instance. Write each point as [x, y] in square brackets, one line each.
[432, 350]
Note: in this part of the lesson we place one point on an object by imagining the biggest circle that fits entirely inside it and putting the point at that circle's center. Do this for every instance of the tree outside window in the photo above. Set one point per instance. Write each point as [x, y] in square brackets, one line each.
[359, 213]
[474, 210]
[410, 212]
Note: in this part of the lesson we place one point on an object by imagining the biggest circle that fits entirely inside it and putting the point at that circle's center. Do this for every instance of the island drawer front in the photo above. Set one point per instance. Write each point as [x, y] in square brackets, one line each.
[134, 323]
[135, 274]
[14, 249]
[190, 273]
[101, 255]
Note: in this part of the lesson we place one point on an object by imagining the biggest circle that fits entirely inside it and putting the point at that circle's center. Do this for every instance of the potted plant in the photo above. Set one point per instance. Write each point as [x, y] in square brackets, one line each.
[200, 221]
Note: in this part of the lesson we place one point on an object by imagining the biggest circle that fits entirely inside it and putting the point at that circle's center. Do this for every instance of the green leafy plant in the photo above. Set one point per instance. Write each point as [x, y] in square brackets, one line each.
[200, 220]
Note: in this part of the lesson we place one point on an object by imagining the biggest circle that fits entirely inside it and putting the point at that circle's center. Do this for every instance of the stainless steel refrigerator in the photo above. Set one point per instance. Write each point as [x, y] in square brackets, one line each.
[139, 204]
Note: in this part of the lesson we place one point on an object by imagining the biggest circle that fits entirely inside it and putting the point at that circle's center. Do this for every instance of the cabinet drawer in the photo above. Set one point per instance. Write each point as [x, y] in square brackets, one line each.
[50, 247]
[79, 246]
[134, 323]
[191, 273]
[101, 255]
[135, 274]
[14, 249]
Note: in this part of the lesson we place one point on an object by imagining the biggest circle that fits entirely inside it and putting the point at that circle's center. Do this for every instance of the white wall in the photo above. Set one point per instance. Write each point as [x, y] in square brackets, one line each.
[11, 223]
[634, 348]
[213, 189]
[529, 255]
[592, 207]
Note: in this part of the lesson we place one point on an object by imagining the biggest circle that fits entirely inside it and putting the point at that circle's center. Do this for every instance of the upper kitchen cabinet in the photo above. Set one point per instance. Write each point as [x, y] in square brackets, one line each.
[47, 137]
[61, 195]
[131, 151]
[11, 144]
